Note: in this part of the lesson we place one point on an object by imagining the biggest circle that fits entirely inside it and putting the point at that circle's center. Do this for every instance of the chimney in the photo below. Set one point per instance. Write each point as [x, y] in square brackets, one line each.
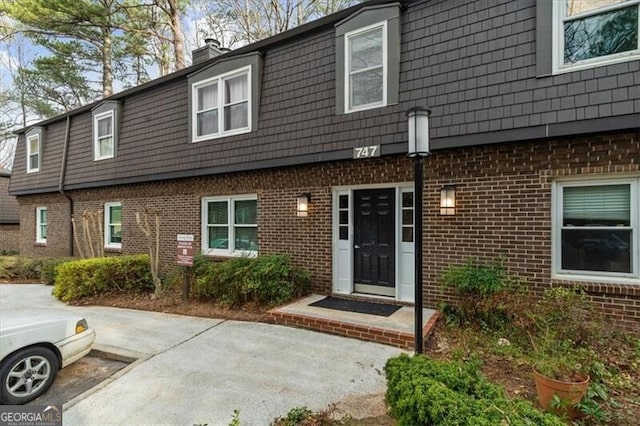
[211, 49]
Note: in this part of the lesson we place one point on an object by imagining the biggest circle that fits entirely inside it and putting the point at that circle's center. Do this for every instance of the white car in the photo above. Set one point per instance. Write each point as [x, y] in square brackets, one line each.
[34, 345]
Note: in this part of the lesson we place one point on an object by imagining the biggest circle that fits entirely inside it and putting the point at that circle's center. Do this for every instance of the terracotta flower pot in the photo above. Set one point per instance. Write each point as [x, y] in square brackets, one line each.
[570, 393]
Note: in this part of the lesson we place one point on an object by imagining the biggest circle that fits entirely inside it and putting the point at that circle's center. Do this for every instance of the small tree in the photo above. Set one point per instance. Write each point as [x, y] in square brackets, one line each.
[149, 223]
[92, 233]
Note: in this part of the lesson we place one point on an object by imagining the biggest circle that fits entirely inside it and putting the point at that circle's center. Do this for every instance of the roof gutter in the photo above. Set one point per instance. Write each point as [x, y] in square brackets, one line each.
[63, 172]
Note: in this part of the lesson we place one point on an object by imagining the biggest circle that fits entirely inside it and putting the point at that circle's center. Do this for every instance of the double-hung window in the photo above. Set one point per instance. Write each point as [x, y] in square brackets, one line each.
[596, 230]
[594, 32]
[222, 105]
[103, 131]
[41, 225]
[33, 153]
[230, 225]
[113, 225]
[366, 67]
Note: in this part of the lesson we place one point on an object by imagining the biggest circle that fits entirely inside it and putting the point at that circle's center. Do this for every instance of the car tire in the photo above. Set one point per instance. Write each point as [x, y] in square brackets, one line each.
[27, 374]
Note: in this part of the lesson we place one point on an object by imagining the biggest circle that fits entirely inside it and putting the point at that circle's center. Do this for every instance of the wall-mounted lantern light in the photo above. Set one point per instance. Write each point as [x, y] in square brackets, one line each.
[303, 204]
[448, 200]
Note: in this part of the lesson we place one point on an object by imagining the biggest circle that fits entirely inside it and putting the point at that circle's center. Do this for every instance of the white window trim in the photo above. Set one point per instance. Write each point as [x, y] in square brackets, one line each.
[230, 252]
[96, 146]
[219, 80]
[39, 238]
[347, 68]
[556, 237]
[29, 153]
[107, 225]
[557, 36]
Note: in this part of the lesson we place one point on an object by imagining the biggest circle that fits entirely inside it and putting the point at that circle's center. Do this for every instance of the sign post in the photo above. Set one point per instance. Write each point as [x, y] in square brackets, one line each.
[184, 257]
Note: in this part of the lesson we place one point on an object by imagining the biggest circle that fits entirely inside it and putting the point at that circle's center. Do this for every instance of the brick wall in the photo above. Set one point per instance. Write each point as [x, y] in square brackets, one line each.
[503, 195]
[9, 237]
[58, 226]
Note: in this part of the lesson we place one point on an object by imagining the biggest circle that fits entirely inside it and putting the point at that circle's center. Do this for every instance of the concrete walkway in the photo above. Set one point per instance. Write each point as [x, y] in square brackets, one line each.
[197, 371]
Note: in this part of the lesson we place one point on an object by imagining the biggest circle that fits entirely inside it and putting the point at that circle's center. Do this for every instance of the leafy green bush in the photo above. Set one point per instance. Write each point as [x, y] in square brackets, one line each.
[48, 269]
[90, 277]
[267, 280]
[479, 288]
[20, 268]
[424, 391]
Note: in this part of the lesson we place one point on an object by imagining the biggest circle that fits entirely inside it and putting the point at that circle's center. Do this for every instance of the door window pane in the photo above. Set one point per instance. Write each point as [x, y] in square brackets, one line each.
[407, 199]
[407, 217]
[343, 202]
[600, 35]
[407, 234]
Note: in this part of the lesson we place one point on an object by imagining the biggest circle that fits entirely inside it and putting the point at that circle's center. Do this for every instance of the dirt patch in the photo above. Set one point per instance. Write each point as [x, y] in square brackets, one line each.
[171, 303]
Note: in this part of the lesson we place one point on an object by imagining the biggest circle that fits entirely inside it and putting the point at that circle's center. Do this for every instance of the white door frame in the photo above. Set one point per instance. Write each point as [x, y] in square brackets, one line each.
[342, 262]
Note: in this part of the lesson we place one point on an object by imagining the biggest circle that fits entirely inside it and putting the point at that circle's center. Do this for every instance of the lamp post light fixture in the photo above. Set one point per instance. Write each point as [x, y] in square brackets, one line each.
[303, 204]
[418, 127]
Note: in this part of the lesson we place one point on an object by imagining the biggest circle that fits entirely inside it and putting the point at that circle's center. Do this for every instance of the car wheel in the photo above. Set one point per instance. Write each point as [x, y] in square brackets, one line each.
[27, 374]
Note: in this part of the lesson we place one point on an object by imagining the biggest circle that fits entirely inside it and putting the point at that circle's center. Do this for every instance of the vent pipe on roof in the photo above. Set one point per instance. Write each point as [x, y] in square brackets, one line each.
[211, 49]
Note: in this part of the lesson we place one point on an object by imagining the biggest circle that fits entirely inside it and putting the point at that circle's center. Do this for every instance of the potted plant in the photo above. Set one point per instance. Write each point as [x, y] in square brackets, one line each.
[560, 384]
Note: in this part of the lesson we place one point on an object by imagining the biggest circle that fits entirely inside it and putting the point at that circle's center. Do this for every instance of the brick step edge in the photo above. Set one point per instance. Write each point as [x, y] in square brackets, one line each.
[356, 331]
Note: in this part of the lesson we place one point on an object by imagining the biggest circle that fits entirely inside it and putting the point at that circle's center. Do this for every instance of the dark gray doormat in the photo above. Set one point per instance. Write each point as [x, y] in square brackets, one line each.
[356, 306]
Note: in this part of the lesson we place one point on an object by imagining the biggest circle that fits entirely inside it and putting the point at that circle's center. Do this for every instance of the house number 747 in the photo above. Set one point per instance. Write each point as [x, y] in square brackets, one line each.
[366, 151]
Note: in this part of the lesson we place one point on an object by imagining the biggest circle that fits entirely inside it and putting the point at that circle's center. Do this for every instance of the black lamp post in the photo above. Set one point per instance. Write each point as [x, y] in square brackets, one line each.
[418, 126]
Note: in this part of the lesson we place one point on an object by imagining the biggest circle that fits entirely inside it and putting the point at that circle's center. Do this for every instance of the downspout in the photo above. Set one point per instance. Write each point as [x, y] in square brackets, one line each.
[63, 171]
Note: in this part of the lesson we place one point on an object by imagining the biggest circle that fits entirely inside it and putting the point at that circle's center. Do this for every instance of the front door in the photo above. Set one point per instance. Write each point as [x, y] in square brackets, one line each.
[374, 241]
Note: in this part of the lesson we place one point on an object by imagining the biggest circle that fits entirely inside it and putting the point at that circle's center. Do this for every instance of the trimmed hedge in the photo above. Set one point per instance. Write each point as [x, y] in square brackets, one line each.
[268, 280]
[422, 391]
[90, 277]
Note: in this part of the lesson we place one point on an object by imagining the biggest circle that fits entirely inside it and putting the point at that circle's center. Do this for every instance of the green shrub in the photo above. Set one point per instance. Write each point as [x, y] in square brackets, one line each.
[424, 391]
[479, 288]
[90, 277]
[267, 280]
[48, 269]
[20, 268]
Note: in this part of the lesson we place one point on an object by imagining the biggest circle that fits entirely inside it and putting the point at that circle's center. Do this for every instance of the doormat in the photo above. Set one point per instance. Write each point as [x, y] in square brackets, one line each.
[356, 306]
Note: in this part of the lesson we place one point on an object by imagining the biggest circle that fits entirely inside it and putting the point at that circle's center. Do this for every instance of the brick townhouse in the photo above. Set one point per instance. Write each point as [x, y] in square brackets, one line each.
[297, 144]
[9, 216]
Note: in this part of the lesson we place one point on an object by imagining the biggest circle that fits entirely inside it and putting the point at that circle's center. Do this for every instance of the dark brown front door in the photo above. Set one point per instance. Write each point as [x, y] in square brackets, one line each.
[374, 241]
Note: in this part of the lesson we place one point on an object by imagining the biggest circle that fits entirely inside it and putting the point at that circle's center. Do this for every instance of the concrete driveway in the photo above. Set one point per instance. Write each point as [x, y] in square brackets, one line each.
[197, 371]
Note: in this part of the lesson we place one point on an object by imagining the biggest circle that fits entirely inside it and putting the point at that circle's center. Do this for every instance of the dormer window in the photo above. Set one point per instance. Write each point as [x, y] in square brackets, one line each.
[366, 59]
[33, 153]
[106, 122]
[34, 140]
[103, 132]
[222, 105]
